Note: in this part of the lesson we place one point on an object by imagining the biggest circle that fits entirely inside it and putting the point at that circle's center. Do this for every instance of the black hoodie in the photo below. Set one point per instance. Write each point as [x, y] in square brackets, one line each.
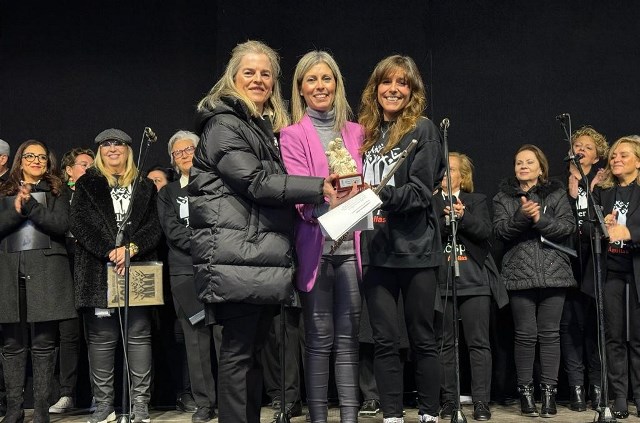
[406, 231]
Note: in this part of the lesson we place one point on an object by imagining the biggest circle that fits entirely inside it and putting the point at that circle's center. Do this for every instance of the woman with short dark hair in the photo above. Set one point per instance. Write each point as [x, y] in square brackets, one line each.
[530, 211]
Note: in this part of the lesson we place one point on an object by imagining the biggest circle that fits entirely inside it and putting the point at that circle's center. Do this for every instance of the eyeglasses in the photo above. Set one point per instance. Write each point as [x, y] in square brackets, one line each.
[179, 153]
[109, 143]
[30, 157]
[83, 164]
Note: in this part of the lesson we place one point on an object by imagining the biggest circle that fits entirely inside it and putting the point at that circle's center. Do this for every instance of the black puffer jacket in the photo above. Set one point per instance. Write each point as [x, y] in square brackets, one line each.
[528, 263]
[241, 210]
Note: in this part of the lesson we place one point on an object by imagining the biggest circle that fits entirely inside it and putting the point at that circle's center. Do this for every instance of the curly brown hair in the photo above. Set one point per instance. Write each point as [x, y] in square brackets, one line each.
[602, 148]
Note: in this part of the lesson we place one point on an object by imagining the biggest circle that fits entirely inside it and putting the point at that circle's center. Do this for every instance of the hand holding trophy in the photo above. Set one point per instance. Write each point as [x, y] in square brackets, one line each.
[342, 164]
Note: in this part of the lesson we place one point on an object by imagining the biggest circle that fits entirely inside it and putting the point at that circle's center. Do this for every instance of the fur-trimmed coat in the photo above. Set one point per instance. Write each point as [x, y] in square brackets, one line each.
[93, 223]
[528, 263]
[48, 279]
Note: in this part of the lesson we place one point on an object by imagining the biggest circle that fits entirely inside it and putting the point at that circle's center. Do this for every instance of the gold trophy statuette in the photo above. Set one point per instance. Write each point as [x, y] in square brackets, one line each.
[341, 163]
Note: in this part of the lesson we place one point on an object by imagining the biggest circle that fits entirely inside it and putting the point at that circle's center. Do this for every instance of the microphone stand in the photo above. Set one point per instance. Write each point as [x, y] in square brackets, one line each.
[282, 416]
[600, 233]
[457, 416]
[122, 239]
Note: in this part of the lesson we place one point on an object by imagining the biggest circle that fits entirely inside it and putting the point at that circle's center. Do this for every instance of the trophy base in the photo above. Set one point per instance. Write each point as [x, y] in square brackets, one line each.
[345, 183]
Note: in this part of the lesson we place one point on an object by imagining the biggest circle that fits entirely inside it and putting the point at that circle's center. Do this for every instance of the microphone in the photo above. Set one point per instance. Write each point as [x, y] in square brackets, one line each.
[576, 157]
[444, 124]
[150, 134]
[562, 116]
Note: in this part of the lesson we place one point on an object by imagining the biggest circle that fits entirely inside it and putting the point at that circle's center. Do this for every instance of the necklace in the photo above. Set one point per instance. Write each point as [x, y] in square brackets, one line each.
[384, 129]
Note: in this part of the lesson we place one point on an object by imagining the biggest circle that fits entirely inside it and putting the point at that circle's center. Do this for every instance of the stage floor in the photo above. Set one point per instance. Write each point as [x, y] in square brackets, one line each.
[501, 414]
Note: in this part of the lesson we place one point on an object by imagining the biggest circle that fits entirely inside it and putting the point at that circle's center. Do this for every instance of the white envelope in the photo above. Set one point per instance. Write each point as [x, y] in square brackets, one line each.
[346, 216]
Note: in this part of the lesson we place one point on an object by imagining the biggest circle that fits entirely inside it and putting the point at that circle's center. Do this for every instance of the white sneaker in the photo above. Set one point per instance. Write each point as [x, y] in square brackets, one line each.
[393, 420]
[426, 418]
[64, 405]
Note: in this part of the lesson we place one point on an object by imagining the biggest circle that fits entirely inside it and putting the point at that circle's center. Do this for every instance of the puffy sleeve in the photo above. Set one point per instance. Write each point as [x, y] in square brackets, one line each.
[226, 147]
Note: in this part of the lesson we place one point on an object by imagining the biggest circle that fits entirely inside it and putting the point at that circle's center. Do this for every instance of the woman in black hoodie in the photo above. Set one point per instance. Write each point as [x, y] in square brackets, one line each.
[530, 213]
[401, 255]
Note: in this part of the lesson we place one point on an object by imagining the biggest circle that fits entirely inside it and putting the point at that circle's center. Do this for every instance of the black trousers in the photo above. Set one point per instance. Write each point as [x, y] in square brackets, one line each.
[623, 357]
[68, 355]
[536, 317]
[239, 372]
[579, 338]
[17, 335]
[197, 342]
[382, 288]
[474, 312]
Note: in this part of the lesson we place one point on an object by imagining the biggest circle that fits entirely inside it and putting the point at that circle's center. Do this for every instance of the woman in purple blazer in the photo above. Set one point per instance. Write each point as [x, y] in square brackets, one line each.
[328, 283]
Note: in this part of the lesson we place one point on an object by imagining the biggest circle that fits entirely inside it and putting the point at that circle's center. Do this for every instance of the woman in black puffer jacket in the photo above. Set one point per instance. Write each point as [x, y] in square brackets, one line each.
[528, 210]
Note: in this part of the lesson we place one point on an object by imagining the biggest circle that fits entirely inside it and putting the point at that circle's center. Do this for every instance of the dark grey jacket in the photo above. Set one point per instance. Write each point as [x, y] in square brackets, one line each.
[241, 210]
[48, 278]
[528, 263]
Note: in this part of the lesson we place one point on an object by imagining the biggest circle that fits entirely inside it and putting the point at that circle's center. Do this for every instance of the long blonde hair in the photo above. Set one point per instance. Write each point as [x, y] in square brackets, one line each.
[340, 104]
[371, 111]
[226, 85]
[610, 180]
[124, 180]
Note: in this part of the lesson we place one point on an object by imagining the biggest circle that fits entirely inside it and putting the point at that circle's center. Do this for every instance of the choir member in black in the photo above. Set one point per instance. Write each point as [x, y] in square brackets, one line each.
[35, 279]
[173, 211]
[100, 204]
[74, 164]
[619, 196]
[529, 212]
[479, 279]
[578, 326]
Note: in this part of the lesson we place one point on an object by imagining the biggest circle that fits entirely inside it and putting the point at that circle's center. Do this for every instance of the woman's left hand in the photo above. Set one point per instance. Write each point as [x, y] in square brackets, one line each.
[458, 209]
[618, 233]
[117, 256]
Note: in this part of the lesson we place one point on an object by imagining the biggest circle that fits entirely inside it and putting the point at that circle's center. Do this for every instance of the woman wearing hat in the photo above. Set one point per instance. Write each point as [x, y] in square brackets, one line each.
[101, 201]
[35, 282]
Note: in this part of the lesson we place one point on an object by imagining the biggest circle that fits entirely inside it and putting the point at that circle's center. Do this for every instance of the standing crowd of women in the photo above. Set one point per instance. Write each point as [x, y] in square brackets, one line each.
[234, 254]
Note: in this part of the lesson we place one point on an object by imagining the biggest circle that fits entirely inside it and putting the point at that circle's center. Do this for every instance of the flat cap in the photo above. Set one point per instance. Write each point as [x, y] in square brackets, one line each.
[4, 148]
[113, 134]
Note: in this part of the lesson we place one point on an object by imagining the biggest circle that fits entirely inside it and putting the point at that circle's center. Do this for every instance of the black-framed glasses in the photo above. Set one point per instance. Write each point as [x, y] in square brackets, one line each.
[109, 143]
[179, 153]
[30, 157]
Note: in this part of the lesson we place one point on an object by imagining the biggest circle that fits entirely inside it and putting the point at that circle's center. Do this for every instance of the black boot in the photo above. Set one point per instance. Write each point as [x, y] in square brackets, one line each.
[595, 395]
[527, 404]
[42, 378]
[14, 371]
[577, 401]
[548, 408]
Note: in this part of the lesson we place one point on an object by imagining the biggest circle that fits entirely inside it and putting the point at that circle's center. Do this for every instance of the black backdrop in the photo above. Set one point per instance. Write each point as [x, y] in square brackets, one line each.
[500, 70]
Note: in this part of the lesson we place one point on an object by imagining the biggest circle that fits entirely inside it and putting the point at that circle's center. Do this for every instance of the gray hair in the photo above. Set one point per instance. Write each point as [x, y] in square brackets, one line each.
[181, 135]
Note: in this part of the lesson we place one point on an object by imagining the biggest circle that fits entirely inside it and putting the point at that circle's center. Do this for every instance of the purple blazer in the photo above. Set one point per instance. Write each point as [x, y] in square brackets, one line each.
[303, 154]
